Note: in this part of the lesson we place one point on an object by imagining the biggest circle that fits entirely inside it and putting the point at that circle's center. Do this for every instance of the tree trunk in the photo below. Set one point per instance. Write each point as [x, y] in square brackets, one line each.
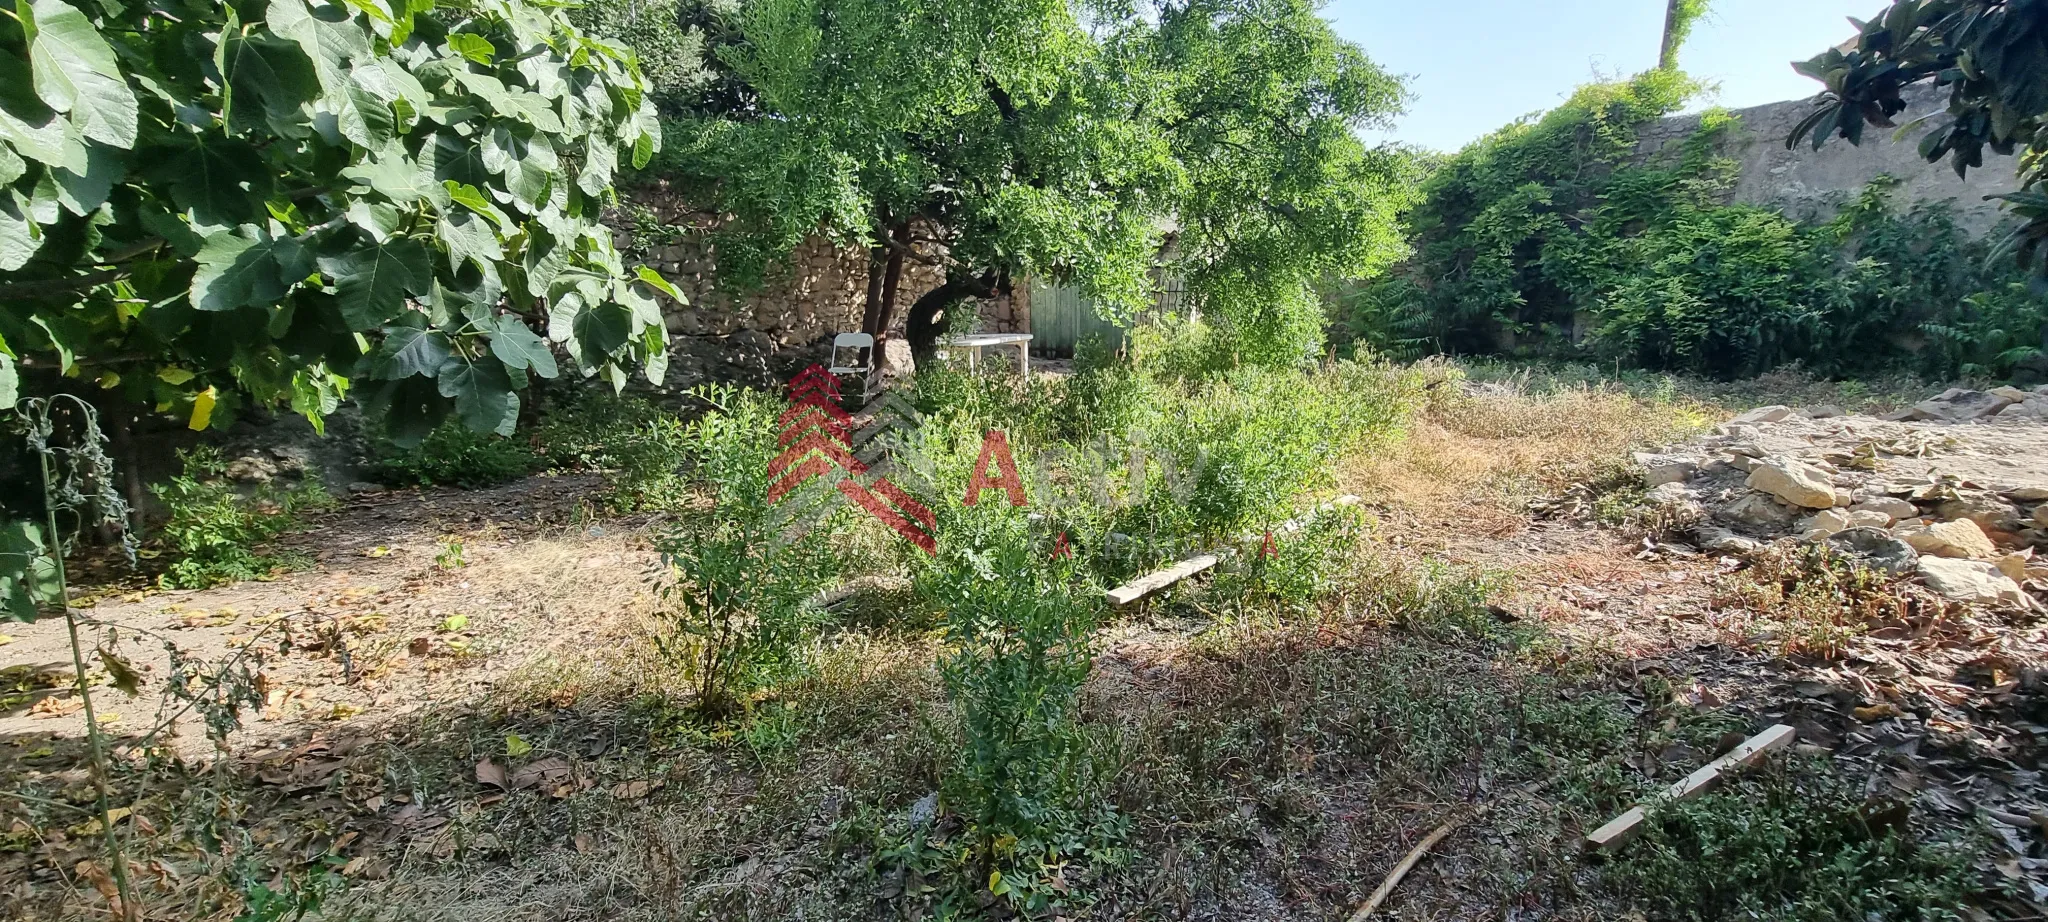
[872, 307]
[892, 280]
[1667, 55]
[931, 316]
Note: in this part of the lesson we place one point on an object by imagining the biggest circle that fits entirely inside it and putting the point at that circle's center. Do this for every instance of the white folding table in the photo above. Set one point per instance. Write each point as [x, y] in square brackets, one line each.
[975, 342]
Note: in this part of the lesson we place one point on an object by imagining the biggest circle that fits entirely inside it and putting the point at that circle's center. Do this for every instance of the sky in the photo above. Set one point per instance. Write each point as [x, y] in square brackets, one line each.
[1475, 65]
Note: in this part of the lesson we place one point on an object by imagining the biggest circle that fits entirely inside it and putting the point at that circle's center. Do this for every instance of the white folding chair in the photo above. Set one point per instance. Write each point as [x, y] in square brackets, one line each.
[853, 356]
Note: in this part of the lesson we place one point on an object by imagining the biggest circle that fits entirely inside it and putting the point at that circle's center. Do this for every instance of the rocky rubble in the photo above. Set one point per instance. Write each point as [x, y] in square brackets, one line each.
[1953, 490]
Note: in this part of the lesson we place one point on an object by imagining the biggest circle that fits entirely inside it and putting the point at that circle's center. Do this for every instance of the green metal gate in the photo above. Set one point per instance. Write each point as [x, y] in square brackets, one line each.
[1061, 318]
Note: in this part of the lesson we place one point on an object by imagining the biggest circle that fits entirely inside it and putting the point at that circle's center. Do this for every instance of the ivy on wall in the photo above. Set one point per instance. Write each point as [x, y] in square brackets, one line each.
[1553, 237]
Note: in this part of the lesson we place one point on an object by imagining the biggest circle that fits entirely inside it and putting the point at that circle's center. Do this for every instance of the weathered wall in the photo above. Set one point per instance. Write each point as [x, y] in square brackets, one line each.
[818, 292]
[1806, 183]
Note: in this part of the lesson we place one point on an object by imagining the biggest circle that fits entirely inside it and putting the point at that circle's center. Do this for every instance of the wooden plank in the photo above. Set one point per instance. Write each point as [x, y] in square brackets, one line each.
[1621, 829]
[1308, 518]
[1160, 579]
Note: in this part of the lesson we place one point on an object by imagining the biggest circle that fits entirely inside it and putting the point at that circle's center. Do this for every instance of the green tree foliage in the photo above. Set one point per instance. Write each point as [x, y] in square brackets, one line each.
[1041, 137]
[1486, 213]
[1556, 237]
[668, 38]
[1992, 57]
[202, 203]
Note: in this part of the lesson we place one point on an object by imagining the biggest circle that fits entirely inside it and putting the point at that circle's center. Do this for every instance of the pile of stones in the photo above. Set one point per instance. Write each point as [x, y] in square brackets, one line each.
[1876, 489]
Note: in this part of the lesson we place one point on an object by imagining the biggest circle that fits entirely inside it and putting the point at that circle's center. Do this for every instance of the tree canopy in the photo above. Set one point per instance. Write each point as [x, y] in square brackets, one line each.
[1991, 56]
[290, 200]
[1056, 139]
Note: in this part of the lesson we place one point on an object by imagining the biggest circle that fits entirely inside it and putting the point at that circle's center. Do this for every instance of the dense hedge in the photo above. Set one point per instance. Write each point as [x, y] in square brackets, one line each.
[1548, 238]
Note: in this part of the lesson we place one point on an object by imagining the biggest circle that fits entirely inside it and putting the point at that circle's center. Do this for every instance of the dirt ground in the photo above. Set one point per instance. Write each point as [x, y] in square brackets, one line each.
[496, 654]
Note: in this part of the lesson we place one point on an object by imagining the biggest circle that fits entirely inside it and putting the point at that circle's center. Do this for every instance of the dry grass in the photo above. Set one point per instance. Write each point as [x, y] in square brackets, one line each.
[1472, 463]
[746, 819]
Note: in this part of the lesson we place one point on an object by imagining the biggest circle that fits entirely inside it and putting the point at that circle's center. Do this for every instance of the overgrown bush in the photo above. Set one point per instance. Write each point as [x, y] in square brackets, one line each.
[1106, 394]
[215, 535]
[1291, 571]
[1558, 238]
[1174, 349]
[1141, 464]
[1233, 453]
[733, 617]
[453, 455]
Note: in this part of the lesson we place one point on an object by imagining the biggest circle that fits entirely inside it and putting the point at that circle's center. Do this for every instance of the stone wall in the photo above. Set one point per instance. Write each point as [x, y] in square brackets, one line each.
[1806, 183]
[817, 292]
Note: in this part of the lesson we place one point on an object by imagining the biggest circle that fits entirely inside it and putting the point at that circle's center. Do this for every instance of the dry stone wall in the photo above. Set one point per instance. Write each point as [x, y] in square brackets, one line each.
[1806, 183]
[817, 292]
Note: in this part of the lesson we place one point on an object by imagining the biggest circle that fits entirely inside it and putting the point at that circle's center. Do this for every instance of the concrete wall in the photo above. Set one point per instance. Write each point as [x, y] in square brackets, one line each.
[1806, 183]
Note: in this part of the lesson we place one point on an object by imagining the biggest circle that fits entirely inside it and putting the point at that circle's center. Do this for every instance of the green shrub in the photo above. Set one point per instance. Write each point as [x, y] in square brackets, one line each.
[216, 535]
[1019, 624]
[1991, 334]
[1236, 452]
[1106, 395]
[1027, 407]
[584, 431]
[1180, 350]
[1558, 238]
[641, 448]
[1297, 569]
[453, 455]
[733, 616]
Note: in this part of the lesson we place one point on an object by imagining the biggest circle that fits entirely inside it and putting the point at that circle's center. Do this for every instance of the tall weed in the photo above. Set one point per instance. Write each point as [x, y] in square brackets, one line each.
[1019, 622]
[733, 616]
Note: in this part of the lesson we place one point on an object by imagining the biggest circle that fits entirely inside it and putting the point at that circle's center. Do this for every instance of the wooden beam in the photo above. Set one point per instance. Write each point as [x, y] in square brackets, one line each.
[1621, 829]
[1160, 579]
[1152, 582]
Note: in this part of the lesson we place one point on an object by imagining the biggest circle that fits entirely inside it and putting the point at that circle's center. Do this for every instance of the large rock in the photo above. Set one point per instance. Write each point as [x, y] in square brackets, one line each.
[1823, 523]
[1867, 518]
[2041, 515]
[1877, 549]
[1989, 512]
[1659, 470]
[1971, 581]
[251, 469]
[1958, 539]
[1761, 415]
[1758, 509]
[1893, 508]
[1794, 481]
[1961, 404]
